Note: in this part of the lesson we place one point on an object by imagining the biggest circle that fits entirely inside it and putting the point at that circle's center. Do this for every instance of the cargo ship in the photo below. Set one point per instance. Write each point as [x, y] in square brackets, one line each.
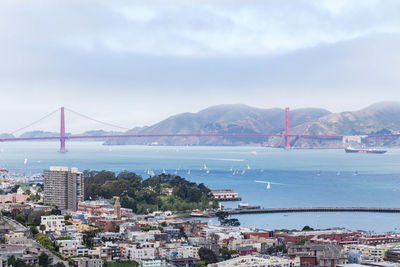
[366, 151]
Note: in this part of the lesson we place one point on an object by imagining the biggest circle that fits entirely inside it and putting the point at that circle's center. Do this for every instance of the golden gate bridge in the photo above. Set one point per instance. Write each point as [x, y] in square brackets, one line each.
[285, 135]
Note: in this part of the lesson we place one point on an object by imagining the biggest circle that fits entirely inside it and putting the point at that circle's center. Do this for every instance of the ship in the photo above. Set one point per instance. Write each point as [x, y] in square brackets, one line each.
[366, 151]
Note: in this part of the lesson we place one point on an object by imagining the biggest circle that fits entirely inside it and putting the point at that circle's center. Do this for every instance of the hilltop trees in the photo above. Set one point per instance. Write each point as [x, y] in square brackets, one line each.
[159, 192]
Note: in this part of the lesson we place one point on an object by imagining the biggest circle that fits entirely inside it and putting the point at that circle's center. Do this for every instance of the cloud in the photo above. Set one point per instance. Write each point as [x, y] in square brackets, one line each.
[150, 59]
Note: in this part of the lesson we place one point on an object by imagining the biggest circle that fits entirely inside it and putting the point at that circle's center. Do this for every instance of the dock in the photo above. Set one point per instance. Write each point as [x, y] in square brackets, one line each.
[312, 209]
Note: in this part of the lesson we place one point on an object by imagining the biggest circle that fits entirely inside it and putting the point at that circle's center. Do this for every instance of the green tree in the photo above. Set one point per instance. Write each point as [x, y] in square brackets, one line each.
[6, 213]
[59, 264]
[207, 255]
[20, 218]
[55, 211]
[221, 215]
[227, 254]
[34, 218]
[134, 179]
[224, 220]
[44, 259]
[201, 264]
[42, 227]
[302, 241]
[307, 228]
[16, 262]
[33, 230]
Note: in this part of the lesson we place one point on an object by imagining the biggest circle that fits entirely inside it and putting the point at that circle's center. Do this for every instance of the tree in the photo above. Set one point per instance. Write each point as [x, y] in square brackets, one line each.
[207, 255]
[231, 222]
[221, 215]
[223, 219]
[307, 228]
[227, 254]
[302, 241]
[201, 264]
[55, 211]
[131, 177]
[59, 264]
[44, 259]
[34, 230]
[34, 218]
[42, 227]
[15, 262]
[20, 218]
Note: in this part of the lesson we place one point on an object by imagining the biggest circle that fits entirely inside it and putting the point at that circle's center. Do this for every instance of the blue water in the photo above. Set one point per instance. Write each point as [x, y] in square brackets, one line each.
[305, 177]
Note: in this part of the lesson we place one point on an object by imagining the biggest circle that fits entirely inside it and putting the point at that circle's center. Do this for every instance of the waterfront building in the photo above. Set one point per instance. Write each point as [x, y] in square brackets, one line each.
[225, 194]
[63, 188]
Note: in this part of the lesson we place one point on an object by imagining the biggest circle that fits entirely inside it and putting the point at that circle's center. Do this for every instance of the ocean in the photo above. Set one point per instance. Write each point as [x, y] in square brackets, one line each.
[299, 178]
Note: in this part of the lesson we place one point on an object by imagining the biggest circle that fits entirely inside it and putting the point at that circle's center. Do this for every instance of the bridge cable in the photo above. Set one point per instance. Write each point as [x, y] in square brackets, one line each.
[37, 121]
[98, 121]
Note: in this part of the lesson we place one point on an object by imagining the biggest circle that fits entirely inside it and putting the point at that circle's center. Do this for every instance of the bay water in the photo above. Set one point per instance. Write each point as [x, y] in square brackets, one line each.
[299, 178]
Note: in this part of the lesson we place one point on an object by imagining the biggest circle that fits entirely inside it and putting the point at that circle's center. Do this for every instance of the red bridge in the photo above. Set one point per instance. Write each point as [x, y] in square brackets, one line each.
[63, 137]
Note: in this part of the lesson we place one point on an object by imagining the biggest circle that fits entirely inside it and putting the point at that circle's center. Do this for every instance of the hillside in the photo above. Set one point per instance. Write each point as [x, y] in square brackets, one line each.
[381, 117]
[384, 116]
[223, 119]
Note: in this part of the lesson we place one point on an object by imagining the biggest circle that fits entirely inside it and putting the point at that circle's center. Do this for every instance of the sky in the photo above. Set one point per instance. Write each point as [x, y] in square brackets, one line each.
[134, 63]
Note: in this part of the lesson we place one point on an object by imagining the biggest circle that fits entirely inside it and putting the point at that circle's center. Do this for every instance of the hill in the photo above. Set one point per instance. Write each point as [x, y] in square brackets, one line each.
[223, 119]
[379, 117]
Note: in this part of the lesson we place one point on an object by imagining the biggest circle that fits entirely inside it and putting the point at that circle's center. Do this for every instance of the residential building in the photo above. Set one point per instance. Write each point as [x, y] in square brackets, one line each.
[252, 261]
[152, 263]
[53, 223]
[63, 188]
[86, 262]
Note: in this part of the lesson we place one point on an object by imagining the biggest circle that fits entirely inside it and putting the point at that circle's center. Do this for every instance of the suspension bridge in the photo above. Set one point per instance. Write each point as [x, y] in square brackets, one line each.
[285, 135]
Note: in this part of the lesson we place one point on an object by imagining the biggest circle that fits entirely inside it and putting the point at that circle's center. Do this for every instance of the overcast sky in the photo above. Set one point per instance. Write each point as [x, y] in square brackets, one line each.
[134, 63]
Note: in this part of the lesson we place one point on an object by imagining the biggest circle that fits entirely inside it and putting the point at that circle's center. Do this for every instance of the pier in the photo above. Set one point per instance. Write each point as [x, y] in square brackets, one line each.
[312, 209]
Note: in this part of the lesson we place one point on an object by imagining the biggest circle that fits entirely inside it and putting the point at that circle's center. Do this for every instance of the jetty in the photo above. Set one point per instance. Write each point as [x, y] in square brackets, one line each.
[312, 209]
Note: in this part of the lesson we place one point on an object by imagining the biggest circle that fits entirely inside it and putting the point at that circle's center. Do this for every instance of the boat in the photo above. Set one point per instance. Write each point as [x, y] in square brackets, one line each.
[366, 151]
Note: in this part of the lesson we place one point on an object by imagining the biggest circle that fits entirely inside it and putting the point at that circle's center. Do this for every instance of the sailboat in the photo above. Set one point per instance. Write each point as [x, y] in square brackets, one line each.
[188, 172]
[248, 167]
[268, 183]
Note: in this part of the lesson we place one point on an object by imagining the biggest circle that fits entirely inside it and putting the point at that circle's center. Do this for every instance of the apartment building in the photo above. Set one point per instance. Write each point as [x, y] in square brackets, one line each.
[63, 188]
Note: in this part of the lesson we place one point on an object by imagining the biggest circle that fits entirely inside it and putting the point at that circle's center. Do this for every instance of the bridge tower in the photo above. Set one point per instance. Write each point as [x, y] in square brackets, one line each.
[287, 128]
[62, 132]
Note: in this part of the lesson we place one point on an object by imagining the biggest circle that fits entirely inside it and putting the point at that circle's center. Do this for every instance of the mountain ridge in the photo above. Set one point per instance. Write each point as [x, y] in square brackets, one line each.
[381, 117]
